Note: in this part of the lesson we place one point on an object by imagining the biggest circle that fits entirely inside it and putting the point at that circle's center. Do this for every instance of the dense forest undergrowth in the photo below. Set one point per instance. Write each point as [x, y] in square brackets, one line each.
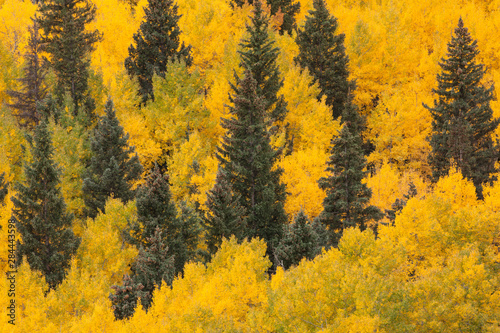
[213, 166]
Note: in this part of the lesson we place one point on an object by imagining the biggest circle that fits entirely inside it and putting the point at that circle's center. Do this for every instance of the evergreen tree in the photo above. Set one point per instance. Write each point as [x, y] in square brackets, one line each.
[322, 52]
[4, 188]
[462, 117]
[152, 266]
[45, 227]
[111, 168]
[155, 209]
[299, 241]
[347, 197]
[32, 83]
[156, 44]
[248, 160]
[259, 57]
[288, 8]
[69, 44]
[182, 238]
[125, 298]
[225, 216]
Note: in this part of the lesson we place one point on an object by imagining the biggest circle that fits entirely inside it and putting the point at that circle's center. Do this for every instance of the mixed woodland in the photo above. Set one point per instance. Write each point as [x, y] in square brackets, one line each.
[250, 166]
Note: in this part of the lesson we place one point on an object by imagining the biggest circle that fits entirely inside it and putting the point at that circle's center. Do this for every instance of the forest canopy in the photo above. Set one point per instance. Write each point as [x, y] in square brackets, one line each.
[259, 165]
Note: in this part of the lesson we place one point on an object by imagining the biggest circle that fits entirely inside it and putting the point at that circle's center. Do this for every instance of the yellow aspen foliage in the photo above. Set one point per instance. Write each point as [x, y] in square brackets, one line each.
[101, 319]
[116, 22]
[30, 288]
[9, 70]
[71, 147]
[220, 297]
[177, 110]
[461, 296]
[454, 188]
[338, 287]
[123, 92]
[11, 146]
[5, 231]
[15, 18]
[207, 26]
[388, 184]
[302, 169]
[192, 159]
[101, 261]
[399, 128]
[310, 123]
[431, 229]
[492, 196]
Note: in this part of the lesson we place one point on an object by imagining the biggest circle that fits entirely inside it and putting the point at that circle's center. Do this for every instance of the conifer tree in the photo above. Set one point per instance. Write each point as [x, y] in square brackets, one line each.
[153, 266]
[33, 87]
[462, 117]
[346, 202]
[299, 241]
[155, 209]
[68, 42]
[322, 52]
[112, 169]
[48, 243]
[125, 298]
[3, 188]
[248, 160]
[259, 57]
[156, 43]
[225, 216]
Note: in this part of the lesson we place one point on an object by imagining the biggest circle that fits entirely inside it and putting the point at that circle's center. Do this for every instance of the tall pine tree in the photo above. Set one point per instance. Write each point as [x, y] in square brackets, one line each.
[248, 160]
[224, 217]
[156, 43]
[40, 212]
[68, 42]
[156, 210]
[322, 52]
[4, 188]
[347, 197]
[32, 83]
[463, 120]
[112, 169]
[259, 57]
[299, 241]
[152, 266]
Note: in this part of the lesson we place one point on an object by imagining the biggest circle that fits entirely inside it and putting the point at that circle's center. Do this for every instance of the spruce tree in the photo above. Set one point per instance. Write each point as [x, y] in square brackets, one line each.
[249, 162]
[33, 89]
[68, 42]
[180, 228]
[322, 52]
[259, 57]
[4, 188]
[347, 197]
[299, 241]
[463, 120]
[155, 209]
[125, 298]
[112, 169]
[40, 212]
[225, 216]
[156, 43]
